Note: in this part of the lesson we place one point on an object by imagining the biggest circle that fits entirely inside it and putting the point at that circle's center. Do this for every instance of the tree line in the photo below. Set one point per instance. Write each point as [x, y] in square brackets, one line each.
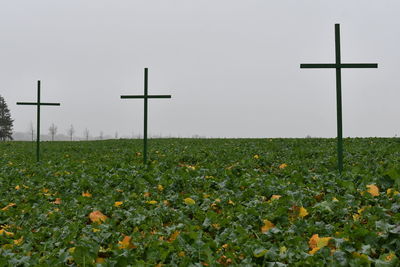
[6, 126]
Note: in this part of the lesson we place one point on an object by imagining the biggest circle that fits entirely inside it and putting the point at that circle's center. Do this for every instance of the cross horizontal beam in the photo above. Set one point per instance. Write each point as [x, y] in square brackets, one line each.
[40, 104]
[338, 66]
[142, 96]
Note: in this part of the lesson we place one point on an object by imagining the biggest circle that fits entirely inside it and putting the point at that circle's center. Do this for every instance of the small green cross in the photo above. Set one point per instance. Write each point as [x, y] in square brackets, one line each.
[339, 66]
[38, 104]
[145, 97]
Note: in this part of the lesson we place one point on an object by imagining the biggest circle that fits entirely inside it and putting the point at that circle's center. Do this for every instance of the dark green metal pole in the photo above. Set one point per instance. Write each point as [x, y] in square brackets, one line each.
[145, 115]
[339, 99]
[145, 97]
[338, 66]
[38, 124]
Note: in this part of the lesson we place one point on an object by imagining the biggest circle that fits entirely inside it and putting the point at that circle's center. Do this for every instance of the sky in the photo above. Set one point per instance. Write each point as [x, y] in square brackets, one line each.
[231, 66]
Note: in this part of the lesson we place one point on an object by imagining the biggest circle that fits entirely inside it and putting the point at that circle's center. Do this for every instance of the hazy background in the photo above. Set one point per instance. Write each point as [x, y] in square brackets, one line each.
[232, 66]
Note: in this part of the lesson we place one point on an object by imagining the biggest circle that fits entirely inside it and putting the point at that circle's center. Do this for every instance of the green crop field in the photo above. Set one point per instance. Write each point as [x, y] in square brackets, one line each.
[200, 202]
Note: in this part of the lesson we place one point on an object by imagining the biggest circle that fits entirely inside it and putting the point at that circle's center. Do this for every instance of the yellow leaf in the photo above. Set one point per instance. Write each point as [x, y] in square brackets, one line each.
[216, 225]
[274, 197]
[97, 217]
[57, 201]
[267, 226]
[126, 243]
[17, 187]
[316, 243]
[283, 165]
[2, 231]
[373, 190]
[9, 206]
[189, 201]
[173, 236]
[256, 156]
[392, 192]
[313, 251]
[303, 212]
[118, 203]
[181, 254]
[160, 187]
[390, 256]
[312, 243]
[86, 194]
[19, 241]
[191, 167]
[323, 242]
[230, 202]
[152, 202]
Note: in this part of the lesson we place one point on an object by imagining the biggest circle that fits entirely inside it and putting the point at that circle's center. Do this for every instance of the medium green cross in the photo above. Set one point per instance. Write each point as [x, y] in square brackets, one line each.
[339, 66]
[145, 97]
[38, 104]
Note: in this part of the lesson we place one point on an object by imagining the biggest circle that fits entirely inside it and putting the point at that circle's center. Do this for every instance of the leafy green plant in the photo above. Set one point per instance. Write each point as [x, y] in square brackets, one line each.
[271, 202]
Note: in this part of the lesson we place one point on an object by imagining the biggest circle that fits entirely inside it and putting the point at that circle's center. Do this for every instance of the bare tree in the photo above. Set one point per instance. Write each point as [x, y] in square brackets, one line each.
[71, 132]
[86, 134]
[116, 135]
[32, 131]
[101, 135]
[53, 131]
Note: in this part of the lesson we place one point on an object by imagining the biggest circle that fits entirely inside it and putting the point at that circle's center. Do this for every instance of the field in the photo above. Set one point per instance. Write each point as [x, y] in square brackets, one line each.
[200, 202]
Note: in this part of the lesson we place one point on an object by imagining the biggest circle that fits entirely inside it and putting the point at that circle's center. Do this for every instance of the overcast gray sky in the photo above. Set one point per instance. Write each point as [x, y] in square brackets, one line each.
[232, 66]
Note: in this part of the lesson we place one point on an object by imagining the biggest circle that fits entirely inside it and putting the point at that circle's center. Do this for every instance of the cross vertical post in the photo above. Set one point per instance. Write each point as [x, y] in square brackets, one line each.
[146, 101]
[38, 124]
[145, 97]
[338, 65]
[38, 104]
[339, 99]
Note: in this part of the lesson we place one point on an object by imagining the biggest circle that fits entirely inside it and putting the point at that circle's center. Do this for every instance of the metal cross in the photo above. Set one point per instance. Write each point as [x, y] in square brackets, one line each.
[38, 104]
[339, 66]
[145, 97]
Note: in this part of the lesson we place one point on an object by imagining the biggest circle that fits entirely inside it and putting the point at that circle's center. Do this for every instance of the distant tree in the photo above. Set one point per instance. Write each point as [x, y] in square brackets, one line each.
[53, 131]
[6, 123]
[86, 134]
[71, 132]
[32, 131]
[116, 135]
[101, 135]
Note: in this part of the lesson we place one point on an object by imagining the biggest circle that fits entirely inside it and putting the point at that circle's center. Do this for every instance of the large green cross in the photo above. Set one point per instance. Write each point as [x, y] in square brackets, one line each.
[38, 104]
[145, 97]
[339, 66]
